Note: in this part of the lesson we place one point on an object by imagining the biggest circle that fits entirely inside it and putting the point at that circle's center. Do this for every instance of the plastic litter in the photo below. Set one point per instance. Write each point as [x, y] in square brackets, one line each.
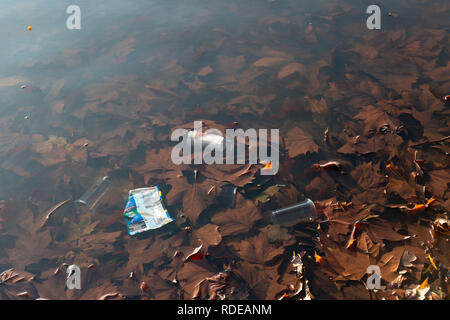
[206, 139]
[92, 196]
[304, 211]
[145, 210]
[211, 139]
[227, 196]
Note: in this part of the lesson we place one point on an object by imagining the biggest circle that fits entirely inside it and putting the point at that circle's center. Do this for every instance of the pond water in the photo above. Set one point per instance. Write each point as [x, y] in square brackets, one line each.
[363, 126]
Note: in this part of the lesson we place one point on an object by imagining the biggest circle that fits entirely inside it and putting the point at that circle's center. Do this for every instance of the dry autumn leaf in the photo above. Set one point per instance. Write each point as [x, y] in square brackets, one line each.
[299, 142]
[237, 220]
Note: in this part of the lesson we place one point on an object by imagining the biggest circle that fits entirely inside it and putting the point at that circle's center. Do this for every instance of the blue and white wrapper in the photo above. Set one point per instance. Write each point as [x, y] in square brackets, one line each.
[145, 210]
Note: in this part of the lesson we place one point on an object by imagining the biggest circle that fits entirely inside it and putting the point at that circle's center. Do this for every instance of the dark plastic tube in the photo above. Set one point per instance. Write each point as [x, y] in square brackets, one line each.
[228, 196]
[304, 211]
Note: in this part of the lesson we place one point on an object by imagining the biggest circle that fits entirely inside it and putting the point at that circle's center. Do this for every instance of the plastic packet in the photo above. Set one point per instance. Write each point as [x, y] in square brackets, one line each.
[145, 210]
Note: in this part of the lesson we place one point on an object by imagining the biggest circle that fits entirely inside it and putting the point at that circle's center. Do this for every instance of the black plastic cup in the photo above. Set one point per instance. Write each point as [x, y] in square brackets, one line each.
[227, 196]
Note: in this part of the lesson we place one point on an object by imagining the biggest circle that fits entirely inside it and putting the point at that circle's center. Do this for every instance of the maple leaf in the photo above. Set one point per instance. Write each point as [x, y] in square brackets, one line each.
[192, 273]
[156, 161]
[258, 250]
[259, 279]
[239, 219]
[238, 175]
[380, 230]
[209, 235]
[291, 68]
[216, 287]
[439, 180]
[353, 264]
[299, 142]
[375, 118]
[196, 200]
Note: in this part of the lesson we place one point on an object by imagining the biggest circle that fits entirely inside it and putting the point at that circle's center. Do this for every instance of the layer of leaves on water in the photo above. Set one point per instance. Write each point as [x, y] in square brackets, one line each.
[120, 125]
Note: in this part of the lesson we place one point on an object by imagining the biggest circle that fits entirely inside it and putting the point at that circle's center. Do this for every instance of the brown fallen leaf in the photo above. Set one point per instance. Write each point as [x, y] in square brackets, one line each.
[53, 209]
[376, 118]
[269, 62]
[237, 220]
[258, 250]
[291, 68]
[299, 142]
[260, 279]
[108, 296]
[238, 175]
[380, 230]
[209, 234]
[216, 287]
[441, 225]
[194, 202]
[195, 254]
[192, 273]
[439, 181]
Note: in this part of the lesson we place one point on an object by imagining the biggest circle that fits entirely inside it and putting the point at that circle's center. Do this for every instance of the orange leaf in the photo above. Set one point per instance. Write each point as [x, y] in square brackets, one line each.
[318, 258]
[350, 243]
[432, 262]
[144, 287]
[430, 202]
[331, 165]
[424, 284]
[418, 207]
[268, 166]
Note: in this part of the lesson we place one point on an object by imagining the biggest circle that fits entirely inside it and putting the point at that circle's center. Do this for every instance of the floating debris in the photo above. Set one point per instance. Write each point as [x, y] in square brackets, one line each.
[325, 136]
[111, 295]
[304, 211]
[211, 189]
[329, 166]
[145, 210]
[95, 192]
[24, 294]
[318, 258]
[227, 196]
[144, 287]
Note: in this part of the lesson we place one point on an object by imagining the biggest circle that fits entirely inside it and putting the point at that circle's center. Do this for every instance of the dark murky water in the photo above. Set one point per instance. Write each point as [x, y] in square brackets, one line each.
[103, 100]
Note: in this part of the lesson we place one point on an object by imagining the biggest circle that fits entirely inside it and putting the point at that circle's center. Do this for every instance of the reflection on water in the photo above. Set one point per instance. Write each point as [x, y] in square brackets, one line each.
[77, 105]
